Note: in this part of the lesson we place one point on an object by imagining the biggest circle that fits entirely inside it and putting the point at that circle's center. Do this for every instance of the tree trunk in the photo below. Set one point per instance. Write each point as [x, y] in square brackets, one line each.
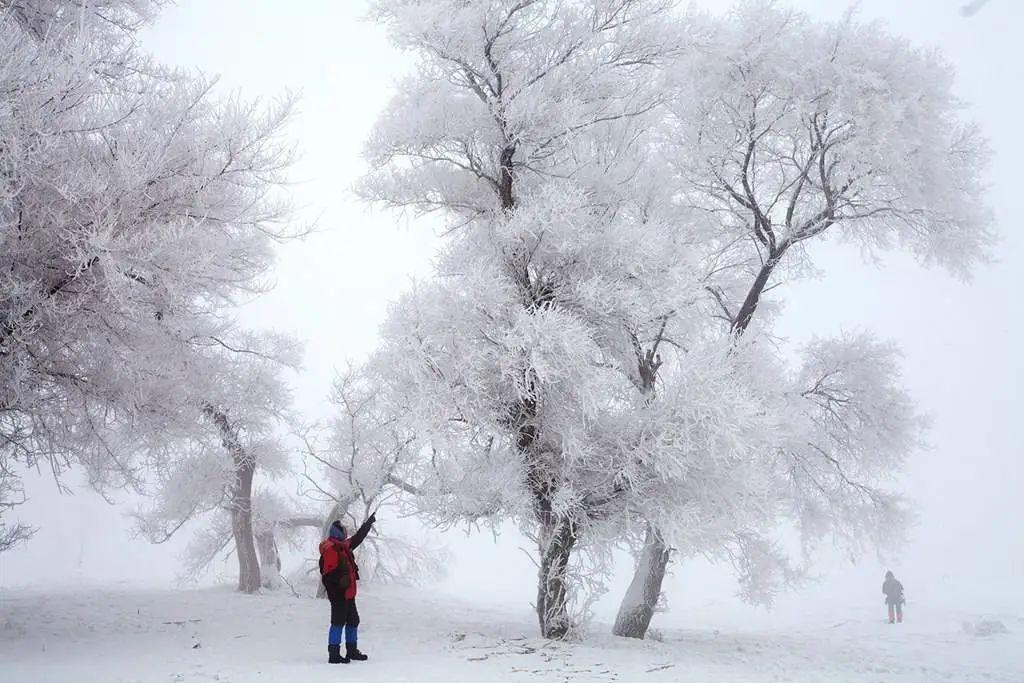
[241, 527]
[753, 298]
[270, 559]
[266, 545]
[641, 598]
[240, 502]
[556, 543]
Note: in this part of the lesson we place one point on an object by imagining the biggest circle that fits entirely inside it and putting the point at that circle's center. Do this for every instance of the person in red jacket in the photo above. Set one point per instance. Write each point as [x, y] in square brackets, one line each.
[340, 575]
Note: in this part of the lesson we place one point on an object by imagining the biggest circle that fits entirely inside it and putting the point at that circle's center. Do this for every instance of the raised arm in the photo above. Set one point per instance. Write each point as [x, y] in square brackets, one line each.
[358, 536]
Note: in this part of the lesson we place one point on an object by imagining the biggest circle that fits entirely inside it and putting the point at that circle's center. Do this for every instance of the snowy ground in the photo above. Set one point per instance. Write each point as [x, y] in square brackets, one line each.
[122, 634]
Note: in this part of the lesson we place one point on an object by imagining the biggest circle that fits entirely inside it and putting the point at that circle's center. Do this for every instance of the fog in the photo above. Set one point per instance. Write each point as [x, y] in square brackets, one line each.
[961, 340]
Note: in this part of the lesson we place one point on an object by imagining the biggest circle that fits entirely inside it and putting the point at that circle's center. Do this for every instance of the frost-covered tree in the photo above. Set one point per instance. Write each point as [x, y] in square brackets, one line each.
[783, 131]
[527, 369]
[59, 21]
[607, 454]
[11, 495]
[277, 521]
[135, 209]
[355, 465]
[206, 446]
[852, 427]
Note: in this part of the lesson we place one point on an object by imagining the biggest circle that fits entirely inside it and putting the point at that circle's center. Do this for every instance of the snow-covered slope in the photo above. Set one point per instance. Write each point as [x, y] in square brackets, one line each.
[121, 634]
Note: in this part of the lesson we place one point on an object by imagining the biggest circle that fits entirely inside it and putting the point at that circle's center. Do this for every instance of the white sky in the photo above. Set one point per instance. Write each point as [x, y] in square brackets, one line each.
[962, 342]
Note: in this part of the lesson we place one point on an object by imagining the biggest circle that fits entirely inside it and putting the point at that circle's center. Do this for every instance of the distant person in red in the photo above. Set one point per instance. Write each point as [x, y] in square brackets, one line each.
[340, 574]
[894, 599]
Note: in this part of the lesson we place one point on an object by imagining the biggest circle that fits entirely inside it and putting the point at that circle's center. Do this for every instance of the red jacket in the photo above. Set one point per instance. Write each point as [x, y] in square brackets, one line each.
[338, 568]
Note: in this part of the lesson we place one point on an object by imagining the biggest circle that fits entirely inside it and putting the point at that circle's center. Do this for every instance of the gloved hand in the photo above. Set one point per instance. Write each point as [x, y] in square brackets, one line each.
[372, 519]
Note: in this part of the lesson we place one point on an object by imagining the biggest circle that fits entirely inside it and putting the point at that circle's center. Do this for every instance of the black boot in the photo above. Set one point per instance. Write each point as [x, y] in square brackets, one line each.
[354, 653]
[334, 655]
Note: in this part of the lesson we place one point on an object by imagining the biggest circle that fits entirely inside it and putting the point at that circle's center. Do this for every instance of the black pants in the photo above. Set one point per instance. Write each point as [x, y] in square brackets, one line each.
[343, 612]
